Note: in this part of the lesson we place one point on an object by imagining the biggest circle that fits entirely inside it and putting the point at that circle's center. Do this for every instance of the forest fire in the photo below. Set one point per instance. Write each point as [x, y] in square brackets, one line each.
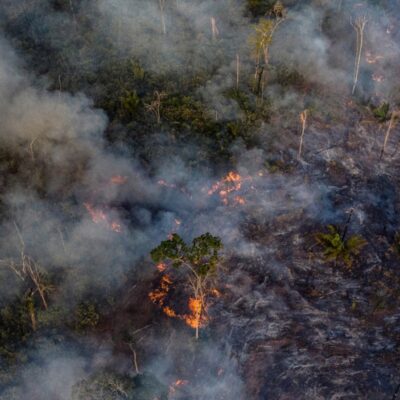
[196, 318]
[199, 200]
[158, 296]
[161, 267]
[166, 184]
[99, 216]
[174, 386]
[372, 59]
[118, 180]
[377, 77]
[232, 182]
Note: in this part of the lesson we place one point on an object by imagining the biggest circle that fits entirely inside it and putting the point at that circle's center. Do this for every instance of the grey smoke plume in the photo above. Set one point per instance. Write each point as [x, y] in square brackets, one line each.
[273, 328]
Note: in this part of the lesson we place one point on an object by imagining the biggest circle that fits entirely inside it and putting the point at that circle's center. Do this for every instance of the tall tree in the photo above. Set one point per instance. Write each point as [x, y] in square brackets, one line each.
[199, 262]
[262, 38]
[359, 27]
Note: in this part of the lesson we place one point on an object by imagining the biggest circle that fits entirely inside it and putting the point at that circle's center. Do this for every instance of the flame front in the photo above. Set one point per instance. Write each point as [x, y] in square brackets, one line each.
[158, 296]
[378, 77]
[194, 319]
[372, 59]
[118, 180]
[174, 386]
[232, 182]
[98, 215]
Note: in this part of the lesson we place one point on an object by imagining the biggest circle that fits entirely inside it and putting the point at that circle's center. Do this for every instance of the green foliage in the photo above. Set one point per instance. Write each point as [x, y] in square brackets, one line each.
[138, 72]
[262, 36]
[53, 317]
[85, 317]
[107, 386]
[381, 113]
[112, 386]
[202, 255]
[277, 166]
[184, 112]
[264, 31]
[335, 248]
[15, 327]
[255, 111]
[130, 103]
[396, 244]
[259, 7]
[289, 77]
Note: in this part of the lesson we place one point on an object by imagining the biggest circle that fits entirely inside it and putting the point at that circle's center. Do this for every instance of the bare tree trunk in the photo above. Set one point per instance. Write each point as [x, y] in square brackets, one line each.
[134, 359]
[259, 81]
[197, 332]
[30, 268]
[59, 86]
[237, 71]
[31, 148]
[198, 314]
[31, 311]
[214, 28]
[346, 227]
[389, 129]
[303, 119]
[155, 105]
[32, 271]
[163, 27]
[359, 27]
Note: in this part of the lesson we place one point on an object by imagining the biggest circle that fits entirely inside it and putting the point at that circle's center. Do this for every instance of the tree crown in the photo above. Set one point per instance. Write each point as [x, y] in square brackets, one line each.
[201, 254]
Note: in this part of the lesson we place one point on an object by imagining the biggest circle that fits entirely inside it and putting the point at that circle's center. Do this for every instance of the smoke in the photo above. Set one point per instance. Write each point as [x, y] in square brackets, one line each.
[90, 211]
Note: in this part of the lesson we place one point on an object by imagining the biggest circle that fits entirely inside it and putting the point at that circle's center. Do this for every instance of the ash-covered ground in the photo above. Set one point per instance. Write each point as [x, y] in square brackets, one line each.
[260, 122]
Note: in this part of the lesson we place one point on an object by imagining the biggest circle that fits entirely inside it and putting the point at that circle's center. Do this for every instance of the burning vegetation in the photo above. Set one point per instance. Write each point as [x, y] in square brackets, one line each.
[199, 261]
[199, 200]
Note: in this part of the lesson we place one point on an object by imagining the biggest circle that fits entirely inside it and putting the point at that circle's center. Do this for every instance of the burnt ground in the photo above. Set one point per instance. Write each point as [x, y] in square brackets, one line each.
[292, 324]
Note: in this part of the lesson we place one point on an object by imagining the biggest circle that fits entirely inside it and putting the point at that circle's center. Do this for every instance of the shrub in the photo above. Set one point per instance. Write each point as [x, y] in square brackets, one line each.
[336, 248]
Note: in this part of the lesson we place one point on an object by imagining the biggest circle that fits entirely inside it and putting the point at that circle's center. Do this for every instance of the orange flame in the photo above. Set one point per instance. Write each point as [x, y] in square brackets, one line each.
[195, 319]
[99, 216]
[378, 77]
[216, 292]
[195, 307]
[158, 296]
[162, 182]
[232, 182]
[372, 59]
[170, 312]
[96, 214]
[116, 227]
[161, 267]
[178, 383]
[303, 117]
[118, 180]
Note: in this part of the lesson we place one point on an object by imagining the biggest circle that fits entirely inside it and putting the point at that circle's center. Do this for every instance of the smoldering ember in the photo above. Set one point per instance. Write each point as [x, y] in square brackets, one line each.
[198, 200]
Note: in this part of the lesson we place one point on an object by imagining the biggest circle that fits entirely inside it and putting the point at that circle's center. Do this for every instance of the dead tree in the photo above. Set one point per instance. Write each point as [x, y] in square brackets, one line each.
[28, 268]
[359, 27]
[163, 27]
[237, 71]
[262, 38]
[303, 119]
[392, 123]
[214, 28]
[155, 105]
